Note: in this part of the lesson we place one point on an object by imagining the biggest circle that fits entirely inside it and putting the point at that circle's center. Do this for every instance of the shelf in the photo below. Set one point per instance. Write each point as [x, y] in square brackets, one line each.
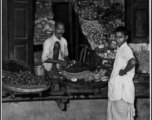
[38, 43]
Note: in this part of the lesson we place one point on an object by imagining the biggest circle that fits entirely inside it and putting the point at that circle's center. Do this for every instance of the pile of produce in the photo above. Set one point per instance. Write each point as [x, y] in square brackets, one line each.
[87, 76]
[86, 10]
[108, 54]
[100, 33]
[43, 10]
[88, 14]
[54, 75]
[25, 78]
[112, 12]
[79, 67]
[95, 33]
[43, 29]
[44, 25]
[143, 60]
[112, 17]
[14, 66]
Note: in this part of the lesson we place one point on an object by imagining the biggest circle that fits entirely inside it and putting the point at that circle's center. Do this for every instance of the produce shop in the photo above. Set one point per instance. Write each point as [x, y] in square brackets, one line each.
[78, 83]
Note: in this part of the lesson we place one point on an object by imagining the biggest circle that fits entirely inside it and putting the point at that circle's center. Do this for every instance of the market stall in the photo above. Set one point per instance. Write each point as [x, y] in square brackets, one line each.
[21, 84]
[80, 81]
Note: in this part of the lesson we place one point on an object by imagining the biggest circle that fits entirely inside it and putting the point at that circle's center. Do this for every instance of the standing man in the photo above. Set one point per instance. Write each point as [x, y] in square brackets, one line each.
[55, 51]
[121, 91]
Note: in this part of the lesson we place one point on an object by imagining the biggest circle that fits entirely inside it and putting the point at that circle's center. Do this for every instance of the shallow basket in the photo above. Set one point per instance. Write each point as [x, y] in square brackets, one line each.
[28, 88]
[82, 20]
[81, 84]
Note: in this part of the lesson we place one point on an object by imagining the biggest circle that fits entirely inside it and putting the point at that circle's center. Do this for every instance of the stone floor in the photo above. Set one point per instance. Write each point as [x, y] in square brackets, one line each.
[76, 110]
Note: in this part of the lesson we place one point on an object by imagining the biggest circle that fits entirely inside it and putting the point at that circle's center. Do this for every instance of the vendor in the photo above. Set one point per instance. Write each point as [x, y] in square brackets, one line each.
[55, 51]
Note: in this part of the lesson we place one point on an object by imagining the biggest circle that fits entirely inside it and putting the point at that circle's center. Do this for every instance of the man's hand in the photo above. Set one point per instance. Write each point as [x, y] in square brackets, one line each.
[63, 63]
[122, 72]
[47, 61]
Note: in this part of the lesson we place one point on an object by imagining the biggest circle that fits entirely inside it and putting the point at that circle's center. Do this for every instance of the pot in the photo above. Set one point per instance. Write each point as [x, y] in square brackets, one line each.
[39, 70]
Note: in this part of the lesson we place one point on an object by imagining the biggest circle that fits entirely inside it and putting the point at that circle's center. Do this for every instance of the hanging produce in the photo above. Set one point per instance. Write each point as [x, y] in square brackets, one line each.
[86, 10]
[112, 12]
[112, 17]
[43, 10]
[98, 24]
[94, 33]
[44, 25]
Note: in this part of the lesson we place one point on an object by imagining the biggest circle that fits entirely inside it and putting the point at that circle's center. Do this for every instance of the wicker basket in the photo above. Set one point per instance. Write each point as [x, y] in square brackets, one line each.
[81, 84]
[26, 89]
[82, 20]
[29, 88]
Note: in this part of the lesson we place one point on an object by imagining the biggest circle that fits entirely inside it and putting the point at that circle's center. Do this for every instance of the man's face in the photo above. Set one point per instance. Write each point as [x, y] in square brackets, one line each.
[59, 31]
[121, 38]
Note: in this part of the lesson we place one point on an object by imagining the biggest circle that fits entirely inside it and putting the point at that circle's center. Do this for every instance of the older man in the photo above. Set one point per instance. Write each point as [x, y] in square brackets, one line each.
[55, 51]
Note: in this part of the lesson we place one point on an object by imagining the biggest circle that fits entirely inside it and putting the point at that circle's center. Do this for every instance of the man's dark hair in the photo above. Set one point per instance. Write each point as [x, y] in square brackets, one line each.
[122, 30]
[58, 23]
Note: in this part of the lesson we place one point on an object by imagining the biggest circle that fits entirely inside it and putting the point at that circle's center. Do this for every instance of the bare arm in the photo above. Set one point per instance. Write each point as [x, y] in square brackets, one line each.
[130, 65]
[55, 56]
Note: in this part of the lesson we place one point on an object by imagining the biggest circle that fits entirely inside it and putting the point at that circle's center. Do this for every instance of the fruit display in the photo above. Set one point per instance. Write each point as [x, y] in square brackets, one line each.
[112, 16]
[43, 10]
[112, 12]
[43, 28]
[88, 14]
[86, 10]
[100, 33]
[113, 24]
[108, 54]
[143, 60]
[54, 75]
[80, 75]
[44, 25]
[87, 76]
[95, 33]
[25, 78]
[14, 66]
[88, 28]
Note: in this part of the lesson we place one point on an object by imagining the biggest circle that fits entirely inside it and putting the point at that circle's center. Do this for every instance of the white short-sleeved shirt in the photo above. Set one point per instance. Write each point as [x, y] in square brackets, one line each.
[48, 47]
[122, 87]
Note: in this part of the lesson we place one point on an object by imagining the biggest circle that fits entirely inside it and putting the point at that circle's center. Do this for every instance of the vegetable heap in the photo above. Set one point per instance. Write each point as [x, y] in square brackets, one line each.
[95, 34]
[98, 24]
[86, 10]
[44, 28]
[43, 10]
[112, 12]
[13, 67]
[25, 78]
[44, 25]
[87, 76]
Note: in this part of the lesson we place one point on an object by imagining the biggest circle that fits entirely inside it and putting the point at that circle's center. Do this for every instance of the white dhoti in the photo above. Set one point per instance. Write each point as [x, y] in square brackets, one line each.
[120, 110]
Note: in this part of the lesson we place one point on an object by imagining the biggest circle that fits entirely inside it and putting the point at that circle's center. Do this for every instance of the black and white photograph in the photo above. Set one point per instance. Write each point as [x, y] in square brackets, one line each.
[75, 59]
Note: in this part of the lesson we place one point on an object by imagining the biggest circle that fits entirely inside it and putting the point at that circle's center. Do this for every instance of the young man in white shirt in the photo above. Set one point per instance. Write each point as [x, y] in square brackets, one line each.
[55, 51]
[121, 91]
